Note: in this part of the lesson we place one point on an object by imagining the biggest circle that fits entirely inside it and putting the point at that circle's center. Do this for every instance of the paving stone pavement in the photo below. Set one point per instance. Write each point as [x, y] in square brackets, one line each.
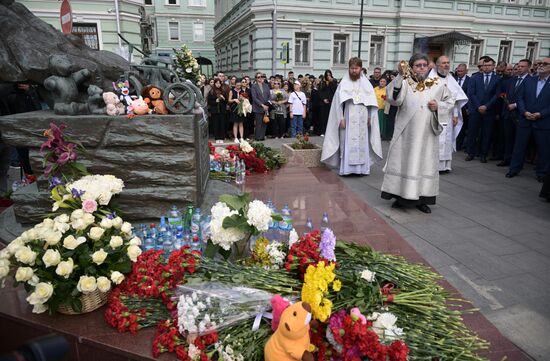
[488, 235]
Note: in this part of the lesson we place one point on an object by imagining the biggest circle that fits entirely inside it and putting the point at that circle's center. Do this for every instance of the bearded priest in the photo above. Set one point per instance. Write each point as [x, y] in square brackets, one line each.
[352, 139]
[411, 173]
[453, 125]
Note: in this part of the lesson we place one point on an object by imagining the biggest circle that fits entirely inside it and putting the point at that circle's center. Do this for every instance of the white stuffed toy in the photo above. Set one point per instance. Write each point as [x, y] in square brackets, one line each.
[113, 104]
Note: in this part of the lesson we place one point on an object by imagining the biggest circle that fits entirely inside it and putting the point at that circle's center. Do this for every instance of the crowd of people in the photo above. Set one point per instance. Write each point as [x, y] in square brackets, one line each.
[500, 112]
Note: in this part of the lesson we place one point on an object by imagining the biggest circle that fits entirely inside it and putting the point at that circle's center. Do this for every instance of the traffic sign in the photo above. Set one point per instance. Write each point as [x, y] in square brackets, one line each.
[66, 17]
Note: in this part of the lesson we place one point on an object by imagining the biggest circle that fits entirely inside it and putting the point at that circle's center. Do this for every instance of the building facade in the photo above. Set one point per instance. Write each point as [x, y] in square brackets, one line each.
[177, 22]
[323, 34]
[95, 21]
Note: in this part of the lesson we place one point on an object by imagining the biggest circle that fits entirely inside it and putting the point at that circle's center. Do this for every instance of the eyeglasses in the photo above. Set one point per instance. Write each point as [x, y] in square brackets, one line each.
[421, 65]
[542, 64]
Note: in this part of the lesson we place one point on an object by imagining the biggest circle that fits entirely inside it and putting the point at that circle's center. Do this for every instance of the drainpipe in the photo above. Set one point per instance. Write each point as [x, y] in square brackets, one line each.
[117, 14]
[274, 39]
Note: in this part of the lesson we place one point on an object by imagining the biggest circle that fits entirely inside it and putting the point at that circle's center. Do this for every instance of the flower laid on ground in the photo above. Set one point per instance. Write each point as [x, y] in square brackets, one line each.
[235, 218]
[327, 244]
[303, 253]
[245, 147]
[61, 154]
[73, 254]
[317, 281]
[267, 255]
[302, 142]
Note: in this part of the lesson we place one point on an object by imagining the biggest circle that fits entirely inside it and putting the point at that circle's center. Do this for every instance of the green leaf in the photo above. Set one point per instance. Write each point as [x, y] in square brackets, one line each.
[76, 305]
[211, 249]
[80, 168]
[236, 221]
[276, 217]
[225, 253]
[232, 201]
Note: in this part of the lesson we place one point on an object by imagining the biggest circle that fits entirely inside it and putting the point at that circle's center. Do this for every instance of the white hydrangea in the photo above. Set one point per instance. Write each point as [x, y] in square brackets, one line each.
[99, 188]
[219, 235]
[259, 215]
[384, 324]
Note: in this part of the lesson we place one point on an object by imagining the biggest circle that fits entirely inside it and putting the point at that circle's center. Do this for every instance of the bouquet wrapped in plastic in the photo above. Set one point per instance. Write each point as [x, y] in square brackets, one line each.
[207, 307]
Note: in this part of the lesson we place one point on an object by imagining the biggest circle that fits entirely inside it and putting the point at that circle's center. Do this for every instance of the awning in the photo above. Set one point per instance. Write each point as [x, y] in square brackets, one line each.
[451, 37]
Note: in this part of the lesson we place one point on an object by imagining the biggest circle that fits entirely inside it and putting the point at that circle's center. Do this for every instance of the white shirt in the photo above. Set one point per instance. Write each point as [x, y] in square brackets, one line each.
[298, 100]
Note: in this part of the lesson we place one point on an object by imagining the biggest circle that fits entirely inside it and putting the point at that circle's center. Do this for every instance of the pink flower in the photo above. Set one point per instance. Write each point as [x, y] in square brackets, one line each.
[89, 206]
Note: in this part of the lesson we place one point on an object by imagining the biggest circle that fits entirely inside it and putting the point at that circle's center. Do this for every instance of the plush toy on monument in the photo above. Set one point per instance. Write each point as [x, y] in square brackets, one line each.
[153, 96]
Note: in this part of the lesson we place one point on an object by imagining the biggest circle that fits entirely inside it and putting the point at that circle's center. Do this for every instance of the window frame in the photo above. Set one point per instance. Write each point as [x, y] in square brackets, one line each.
[505, 44]
[479, 42]
[309, 47]
[381, 40]
[167, 3]
[201, 5]
[170, 30]
[89, 24]
[195, 38]
[345, 38]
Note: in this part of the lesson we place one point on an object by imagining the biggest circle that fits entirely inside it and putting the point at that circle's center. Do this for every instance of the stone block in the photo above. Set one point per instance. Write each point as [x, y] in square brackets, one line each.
[163, 160]
[311, 158]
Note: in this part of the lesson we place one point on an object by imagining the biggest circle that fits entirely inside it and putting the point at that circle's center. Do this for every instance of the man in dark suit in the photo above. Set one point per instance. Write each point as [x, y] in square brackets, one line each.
[482, 95]
[463, 80]
[260, 98]
[533, 102]
[509, 114]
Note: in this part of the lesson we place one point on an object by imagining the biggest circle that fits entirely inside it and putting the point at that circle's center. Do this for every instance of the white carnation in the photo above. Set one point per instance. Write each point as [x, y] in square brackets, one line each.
[368, 275]
[259, 215]
[385, 320]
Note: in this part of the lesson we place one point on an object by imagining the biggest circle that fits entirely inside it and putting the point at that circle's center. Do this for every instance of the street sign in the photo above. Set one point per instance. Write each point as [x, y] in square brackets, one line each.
[66, 17]
[285, 53]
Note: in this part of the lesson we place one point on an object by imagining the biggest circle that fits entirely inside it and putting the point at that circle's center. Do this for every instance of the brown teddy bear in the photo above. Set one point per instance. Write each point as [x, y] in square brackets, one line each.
[153, 96]
[291, 340]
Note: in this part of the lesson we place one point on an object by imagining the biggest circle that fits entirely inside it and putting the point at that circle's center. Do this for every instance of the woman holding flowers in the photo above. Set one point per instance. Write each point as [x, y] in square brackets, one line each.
[278, 100]
[217, 107]
[240, 107]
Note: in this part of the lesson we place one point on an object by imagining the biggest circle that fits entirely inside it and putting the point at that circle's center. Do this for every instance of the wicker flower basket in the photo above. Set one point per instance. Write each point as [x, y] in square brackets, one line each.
[90, 302]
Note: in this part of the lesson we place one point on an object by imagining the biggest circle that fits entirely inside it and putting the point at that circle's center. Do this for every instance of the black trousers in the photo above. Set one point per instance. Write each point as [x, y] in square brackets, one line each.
[219, 125]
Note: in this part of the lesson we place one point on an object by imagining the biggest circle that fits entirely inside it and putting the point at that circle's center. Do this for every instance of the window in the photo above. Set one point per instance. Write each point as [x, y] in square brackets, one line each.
[539, 2]
[340, 49]
[172, 2]
[250, 51]
[174, 30]
[227, 58]
[88, 33]
[531, 52]
[301, 49]
[198, 31]
[475, 52]
[148, 2]
[197, 3]
[376, 55]
[504, 51]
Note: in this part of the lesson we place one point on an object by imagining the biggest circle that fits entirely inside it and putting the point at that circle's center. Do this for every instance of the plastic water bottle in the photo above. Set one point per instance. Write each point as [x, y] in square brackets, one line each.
[162, 225]
[232, 166]
[217, 166]
[325, 222]
[238, 175]
[272, 233]
[174, 217]
[153, 235]
[148, 241]
[205, 229]
[196, 223]
[178, 243]
[309, 226]
[285, 226]
[195, 244]
[167, 244]
[243, 172]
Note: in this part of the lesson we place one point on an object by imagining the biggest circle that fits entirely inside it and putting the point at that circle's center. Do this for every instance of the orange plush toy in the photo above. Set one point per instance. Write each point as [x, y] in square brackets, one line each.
[291, 340]
[153, 96]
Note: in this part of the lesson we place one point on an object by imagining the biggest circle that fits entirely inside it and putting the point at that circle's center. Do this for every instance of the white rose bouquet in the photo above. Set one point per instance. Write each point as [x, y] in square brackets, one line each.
[85, 251]
[234, 220]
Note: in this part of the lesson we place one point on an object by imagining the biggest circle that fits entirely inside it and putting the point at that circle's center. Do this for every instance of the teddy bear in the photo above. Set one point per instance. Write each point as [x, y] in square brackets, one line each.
[153, 96]
[290, 342]
[113, 104]
[138, 107]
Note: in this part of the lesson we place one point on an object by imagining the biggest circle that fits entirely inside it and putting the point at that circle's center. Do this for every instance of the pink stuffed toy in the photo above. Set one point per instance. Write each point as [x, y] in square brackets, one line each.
[278, 304]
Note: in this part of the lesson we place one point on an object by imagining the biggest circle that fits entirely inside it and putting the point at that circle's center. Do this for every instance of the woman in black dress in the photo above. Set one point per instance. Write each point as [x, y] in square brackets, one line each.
[237, 96]
[217, 107]
[326, 93]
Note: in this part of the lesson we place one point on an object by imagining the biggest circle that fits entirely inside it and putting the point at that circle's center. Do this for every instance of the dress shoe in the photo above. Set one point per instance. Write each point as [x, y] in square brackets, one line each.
[483, 159]
[469, 158]
[503, 164]
[396, 204]
[424, 208]
[511, 174]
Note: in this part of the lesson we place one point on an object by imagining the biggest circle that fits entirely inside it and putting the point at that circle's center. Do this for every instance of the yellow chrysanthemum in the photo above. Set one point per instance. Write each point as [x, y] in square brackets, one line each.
[337, 285]
[317, 280]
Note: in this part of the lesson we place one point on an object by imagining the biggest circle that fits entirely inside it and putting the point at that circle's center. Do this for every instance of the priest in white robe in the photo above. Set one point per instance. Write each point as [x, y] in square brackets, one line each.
[452, 125]
[352, 138]
[411, 173]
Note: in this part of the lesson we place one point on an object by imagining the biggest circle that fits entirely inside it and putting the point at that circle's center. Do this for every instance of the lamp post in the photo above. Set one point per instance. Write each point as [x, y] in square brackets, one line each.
[360, 30]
